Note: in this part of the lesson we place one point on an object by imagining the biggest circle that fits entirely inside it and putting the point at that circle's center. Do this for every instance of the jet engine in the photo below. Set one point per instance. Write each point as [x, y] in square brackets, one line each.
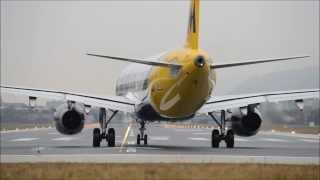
[246, 123]
[69, 119]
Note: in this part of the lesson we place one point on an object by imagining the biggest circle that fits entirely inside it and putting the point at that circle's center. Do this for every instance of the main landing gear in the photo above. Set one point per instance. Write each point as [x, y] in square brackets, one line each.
[218, 136]
[142, 136]
[109, 136]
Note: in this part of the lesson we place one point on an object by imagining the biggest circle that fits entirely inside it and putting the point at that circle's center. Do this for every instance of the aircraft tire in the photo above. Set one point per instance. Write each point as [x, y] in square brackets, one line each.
[145, 139]
[111, 137]
[215, 139]
[138, 139]
[229, 139]
[96, 137]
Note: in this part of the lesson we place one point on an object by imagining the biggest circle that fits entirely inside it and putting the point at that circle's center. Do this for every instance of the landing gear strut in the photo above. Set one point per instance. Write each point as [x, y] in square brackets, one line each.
[110, 136]
[218, 136]
[142, 136]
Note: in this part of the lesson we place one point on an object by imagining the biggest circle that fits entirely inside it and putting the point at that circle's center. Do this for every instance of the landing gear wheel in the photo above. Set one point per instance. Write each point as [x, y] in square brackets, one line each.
[138, 139]
[229, 139]
[111, 137]
[145, 139]
[215, 139]
[96, 137]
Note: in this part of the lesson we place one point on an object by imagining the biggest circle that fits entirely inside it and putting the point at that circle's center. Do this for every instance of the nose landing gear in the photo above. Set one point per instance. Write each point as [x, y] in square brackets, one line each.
[142, 136]
[217, 136]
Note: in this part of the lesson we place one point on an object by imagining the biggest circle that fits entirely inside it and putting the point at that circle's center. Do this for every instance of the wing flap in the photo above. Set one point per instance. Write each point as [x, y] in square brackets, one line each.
[33, 92]
[109, 103]
[234, 101]
[292, 96]
[222, 104]
[112, 102]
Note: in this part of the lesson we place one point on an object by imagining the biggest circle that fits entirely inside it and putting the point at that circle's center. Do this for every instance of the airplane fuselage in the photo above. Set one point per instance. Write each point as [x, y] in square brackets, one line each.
[169, 93]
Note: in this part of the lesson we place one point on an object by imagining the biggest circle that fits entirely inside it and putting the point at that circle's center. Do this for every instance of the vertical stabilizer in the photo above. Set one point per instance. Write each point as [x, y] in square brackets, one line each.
[193, 26]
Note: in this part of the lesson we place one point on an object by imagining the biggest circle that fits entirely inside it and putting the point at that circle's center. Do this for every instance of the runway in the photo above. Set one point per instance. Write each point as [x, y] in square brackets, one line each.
[164, 145]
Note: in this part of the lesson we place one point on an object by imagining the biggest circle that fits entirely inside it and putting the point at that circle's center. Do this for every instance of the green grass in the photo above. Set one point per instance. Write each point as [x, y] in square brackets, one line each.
[76, 171]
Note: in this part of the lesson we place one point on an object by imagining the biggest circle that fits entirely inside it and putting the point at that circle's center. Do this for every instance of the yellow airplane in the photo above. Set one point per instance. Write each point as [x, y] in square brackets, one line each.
[173, 86]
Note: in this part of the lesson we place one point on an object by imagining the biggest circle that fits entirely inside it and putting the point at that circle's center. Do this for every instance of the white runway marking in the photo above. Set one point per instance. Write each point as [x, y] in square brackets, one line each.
[148, 147]
[201, 133]
[24, 139]
[241, 139]
[125, 137]
[159, 138]
[131, 150]
[313, 136]
[198, 139]
[189, 130]
[311, 140]
[38, 149]
[53, 133]
[131, 142]
[63, 139]
[273, 140]
[158, 158]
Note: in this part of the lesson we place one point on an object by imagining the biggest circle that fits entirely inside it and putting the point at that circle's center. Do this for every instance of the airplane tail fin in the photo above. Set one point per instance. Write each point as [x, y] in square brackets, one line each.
[193, 26]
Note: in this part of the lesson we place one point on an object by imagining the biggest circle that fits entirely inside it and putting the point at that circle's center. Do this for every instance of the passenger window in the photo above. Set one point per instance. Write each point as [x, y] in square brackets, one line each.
[145, 84]
[174, 71]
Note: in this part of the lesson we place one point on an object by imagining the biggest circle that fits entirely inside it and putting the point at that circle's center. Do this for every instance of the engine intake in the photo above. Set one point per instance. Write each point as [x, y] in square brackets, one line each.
[247, 125]
[69, 121]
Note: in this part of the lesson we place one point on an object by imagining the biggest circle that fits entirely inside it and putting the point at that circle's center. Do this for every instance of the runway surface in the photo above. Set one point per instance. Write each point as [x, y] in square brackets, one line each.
[164, 145]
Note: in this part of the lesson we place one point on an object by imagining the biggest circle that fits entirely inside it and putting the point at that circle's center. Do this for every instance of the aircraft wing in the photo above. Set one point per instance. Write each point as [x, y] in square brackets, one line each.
[114, 102]
[235, 101]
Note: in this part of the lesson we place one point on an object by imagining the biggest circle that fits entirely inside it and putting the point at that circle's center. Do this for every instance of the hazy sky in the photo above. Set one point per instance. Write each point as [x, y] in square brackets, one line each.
[43, 44]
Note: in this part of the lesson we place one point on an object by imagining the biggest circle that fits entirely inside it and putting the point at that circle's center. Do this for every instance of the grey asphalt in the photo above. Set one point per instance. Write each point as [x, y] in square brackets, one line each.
[164, 145]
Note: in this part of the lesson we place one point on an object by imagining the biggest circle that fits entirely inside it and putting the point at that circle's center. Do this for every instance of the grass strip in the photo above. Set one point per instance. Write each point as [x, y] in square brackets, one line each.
[158, 171]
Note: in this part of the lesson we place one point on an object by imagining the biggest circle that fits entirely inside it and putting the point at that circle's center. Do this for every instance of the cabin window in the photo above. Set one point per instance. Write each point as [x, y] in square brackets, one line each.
[174, 71]
[145, 84]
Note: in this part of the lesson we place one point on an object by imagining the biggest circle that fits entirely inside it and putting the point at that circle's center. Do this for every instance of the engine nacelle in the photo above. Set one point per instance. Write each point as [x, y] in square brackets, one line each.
[247, 124]
[69, 120]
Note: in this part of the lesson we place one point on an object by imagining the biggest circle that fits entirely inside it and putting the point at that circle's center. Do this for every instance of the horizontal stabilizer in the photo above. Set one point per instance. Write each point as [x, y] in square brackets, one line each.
[241, 63]
[139, 61]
